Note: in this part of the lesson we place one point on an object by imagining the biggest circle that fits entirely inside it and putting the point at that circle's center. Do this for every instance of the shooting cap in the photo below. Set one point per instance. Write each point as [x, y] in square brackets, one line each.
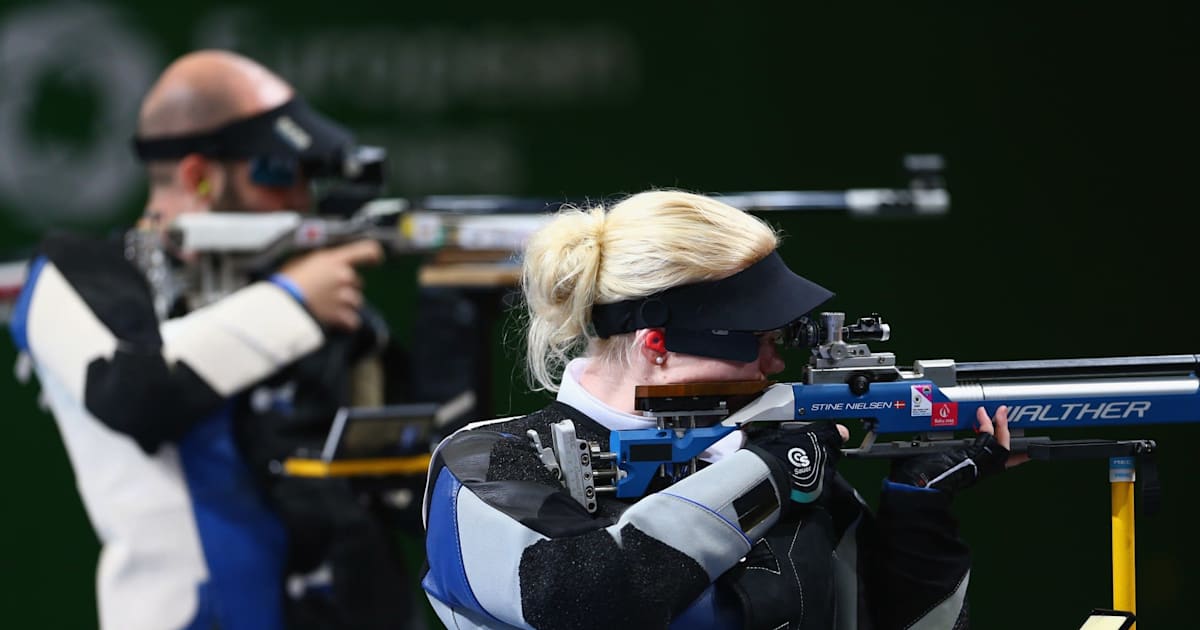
[718, 318]
[283, 143]
[291, 130]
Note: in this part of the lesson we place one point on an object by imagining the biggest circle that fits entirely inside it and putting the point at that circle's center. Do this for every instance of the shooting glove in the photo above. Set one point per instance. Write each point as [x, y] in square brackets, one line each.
[954, 470]
[807, 450]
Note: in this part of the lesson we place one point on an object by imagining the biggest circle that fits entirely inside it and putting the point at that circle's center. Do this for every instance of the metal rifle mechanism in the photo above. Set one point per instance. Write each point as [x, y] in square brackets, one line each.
[572, 461]
[225, 251]
[926, 405]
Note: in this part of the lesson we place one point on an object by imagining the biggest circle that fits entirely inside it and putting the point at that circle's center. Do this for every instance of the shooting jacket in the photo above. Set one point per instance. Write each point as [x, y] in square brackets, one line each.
[170, 428]
[145, 413]
[508, 547]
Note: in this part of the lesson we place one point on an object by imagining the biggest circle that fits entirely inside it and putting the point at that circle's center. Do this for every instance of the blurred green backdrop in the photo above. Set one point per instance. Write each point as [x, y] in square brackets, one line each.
[1069, 132]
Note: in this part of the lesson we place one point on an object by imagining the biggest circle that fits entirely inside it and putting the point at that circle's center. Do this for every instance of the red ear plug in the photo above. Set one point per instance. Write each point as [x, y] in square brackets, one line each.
[654, 341]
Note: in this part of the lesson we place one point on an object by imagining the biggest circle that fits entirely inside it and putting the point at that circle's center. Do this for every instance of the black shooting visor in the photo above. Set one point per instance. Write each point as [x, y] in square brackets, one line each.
[719, 318]
[293, 132]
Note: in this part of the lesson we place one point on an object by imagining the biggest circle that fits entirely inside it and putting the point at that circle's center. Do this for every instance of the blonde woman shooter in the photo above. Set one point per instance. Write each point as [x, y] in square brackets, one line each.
[672, 287]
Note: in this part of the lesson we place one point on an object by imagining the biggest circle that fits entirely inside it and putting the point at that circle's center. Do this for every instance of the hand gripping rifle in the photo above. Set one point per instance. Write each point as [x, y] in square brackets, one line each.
[225, 251]
[925, 405]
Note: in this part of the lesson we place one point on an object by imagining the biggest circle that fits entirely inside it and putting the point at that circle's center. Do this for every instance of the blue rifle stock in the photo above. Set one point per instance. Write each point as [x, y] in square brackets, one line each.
[927, 404]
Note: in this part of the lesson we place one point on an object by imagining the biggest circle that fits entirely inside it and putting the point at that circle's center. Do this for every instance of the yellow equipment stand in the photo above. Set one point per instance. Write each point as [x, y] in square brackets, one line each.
[1121, 476]
[1123, 457]
[411, 465]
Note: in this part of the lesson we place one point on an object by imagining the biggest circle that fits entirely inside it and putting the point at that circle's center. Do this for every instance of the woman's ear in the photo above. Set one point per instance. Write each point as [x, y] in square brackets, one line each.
[656, 340]
[652, 345]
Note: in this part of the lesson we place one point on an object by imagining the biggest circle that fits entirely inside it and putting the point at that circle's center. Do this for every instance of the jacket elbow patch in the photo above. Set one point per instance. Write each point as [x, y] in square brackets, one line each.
[590, 581]
[138, 395]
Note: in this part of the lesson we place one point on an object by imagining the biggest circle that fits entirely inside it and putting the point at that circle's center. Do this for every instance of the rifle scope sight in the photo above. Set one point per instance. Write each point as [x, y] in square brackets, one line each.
[829, 328]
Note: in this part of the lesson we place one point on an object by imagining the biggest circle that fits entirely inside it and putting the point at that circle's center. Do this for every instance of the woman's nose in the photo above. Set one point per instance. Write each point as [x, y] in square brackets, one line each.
[769, 361]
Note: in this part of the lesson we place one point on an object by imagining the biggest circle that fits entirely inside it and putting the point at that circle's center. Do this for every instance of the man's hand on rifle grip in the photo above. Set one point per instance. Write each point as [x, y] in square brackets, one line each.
[329, 282]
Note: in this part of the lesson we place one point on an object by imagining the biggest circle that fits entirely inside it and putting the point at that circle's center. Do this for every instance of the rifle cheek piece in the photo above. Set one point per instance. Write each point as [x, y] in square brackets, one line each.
[718, 318]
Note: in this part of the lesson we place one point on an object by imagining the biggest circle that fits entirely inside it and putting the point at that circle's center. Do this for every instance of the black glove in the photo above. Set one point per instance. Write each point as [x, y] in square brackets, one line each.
[806, 449]
[954, 470]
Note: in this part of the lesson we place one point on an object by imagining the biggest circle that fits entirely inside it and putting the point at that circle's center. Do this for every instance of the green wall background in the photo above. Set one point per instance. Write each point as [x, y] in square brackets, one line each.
[1068, 130]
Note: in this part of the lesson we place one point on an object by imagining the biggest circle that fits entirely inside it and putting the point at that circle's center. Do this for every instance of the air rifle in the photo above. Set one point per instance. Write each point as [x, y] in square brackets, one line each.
[227, 250]
[232, 248]
[926, 405]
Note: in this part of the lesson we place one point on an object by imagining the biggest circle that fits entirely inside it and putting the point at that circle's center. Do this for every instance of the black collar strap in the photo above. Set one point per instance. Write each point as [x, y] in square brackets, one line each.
[718, 318]
[292, 130]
